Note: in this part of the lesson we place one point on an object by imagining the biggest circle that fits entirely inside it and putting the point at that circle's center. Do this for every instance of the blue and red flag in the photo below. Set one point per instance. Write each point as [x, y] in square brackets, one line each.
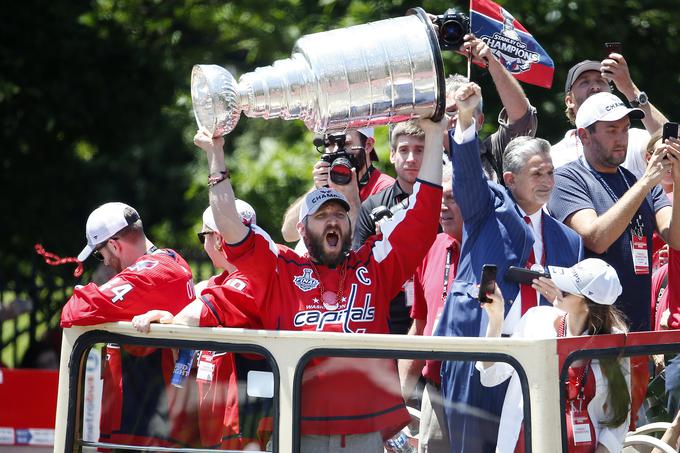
[511, 43]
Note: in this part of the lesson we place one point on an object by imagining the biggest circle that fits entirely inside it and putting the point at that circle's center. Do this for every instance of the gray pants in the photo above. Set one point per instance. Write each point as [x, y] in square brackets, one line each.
[432, 437]
[358, 443]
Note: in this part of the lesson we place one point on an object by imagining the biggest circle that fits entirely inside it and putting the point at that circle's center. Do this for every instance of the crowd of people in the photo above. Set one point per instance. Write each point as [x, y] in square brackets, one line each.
[593, 214]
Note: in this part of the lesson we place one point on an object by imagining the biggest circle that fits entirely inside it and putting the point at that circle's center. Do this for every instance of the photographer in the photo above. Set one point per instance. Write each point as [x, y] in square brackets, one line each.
[359, 146]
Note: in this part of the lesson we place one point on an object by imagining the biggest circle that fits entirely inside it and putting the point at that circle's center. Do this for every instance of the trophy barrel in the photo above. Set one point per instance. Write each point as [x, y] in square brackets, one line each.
[377, 73]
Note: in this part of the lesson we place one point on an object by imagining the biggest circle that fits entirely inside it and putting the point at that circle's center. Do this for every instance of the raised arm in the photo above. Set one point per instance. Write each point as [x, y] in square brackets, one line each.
[431, 166]
[473, 194]
[222, 200]
[510, 91]
[615, 68]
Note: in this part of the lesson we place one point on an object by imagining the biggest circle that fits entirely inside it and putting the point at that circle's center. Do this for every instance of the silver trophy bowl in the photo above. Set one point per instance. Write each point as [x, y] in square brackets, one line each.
[366, 75]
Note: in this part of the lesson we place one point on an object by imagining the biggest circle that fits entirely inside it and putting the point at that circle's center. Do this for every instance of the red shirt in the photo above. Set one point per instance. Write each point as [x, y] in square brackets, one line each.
[216, 375]
[338, 397]
[377, 181]
[428, 285]
[670, 299]
[158, 280]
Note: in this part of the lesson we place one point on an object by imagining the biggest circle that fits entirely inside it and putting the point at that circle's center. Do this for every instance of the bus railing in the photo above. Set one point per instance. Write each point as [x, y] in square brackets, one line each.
[537, 362]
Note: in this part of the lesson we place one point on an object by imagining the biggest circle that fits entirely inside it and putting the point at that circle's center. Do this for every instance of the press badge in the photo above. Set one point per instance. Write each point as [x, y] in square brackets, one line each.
[206, 368]
[638, 247]
[580, 426]
[409, 292]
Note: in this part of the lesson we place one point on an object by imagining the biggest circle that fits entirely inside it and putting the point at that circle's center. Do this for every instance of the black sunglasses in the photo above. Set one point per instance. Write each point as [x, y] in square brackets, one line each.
[202, 235]
[96, 252]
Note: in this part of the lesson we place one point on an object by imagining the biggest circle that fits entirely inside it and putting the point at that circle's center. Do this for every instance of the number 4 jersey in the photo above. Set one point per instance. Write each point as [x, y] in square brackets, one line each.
[157, 280]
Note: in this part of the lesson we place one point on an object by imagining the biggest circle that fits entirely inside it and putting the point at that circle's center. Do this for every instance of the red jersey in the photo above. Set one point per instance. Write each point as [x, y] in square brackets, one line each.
[136, 378]
[377, 181]
[338, 396]
[428, 288]
[216, 375]
[157, 280]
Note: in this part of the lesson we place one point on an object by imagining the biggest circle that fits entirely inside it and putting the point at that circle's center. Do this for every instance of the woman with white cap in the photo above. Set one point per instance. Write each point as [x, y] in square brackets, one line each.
[598, 391]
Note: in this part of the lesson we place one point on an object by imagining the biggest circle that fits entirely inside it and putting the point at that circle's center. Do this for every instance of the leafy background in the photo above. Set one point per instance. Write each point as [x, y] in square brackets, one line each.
[95, 103]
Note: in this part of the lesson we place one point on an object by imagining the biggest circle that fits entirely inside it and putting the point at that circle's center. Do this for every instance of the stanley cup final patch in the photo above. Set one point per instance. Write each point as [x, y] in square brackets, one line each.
[305, 281]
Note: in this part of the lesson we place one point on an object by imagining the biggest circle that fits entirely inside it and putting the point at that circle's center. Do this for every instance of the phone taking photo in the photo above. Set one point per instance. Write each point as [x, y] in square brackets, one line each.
[524, 276]
[612, 47]
[670, 129]
[487, 284]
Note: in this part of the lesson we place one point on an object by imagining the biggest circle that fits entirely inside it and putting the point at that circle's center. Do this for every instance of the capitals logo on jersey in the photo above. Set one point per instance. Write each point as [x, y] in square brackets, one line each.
[319, 319]
[305, 281]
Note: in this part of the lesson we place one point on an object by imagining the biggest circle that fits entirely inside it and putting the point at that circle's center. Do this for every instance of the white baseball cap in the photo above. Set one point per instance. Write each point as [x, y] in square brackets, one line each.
[367, 132]
[592, 278]
[604, 107]
[245, 210]
[104, 222]
[317, 198]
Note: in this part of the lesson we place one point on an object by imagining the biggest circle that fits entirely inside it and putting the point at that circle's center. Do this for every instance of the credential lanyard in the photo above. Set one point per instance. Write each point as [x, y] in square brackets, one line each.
[447, 270]
[601, 180]
[636, 228]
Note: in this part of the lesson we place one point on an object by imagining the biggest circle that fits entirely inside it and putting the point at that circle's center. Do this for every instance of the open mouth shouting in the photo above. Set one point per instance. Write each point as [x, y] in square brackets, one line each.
[332, 238]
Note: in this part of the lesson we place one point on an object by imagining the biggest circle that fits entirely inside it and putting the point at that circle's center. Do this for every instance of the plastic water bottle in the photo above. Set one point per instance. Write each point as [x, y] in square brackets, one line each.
[399, 443]
[183, 365]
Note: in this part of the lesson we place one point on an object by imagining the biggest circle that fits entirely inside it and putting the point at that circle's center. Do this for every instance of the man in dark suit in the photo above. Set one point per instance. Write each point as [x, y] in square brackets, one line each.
[505, 226]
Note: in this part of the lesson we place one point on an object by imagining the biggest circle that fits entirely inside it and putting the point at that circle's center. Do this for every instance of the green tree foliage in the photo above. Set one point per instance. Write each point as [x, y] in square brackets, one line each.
[95, 103]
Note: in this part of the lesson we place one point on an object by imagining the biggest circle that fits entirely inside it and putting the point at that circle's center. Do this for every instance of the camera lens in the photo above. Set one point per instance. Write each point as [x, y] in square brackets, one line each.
[341, 171]
[453, 33]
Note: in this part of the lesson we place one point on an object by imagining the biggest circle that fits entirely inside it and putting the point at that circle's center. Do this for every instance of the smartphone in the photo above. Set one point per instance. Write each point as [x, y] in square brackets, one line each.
[522, 275]
[670, 129]
[612, 47]
[487, 284]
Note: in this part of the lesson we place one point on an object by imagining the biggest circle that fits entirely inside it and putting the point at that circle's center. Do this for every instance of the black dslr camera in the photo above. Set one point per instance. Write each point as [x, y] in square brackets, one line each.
[381, 212]
[453, 26]
[340, 161]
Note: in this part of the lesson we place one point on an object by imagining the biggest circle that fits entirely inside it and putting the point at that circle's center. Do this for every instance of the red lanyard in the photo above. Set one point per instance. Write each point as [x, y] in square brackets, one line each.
[580, 383]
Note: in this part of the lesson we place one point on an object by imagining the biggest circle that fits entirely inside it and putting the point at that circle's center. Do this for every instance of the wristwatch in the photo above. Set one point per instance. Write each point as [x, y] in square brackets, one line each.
[640, 100]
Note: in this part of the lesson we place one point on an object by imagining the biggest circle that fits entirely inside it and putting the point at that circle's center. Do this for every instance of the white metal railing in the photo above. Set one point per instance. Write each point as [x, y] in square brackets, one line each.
[537, 358]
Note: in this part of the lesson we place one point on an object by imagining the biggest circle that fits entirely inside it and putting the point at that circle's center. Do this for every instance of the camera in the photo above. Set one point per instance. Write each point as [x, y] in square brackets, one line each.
[340, 161]
[383, 212]
[379, 213]
[453, 26]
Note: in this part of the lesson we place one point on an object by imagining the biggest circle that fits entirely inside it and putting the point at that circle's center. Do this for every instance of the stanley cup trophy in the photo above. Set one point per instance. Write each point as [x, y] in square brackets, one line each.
[377, 73]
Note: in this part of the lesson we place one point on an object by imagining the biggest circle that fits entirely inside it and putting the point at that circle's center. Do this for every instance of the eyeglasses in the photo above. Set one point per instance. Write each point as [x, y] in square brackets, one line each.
[202, 235]
[96, 252]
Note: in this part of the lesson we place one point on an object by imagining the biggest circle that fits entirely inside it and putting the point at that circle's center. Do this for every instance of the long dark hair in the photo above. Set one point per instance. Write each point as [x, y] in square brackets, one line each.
[602, 320]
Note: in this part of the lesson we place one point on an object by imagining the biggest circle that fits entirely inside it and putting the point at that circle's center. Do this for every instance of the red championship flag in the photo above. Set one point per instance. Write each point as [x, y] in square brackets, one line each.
[511, 43]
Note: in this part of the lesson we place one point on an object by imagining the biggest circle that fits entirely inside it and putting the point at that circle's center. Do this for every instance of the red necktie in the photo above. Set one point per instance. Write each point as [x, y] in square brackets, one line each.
[528, 293]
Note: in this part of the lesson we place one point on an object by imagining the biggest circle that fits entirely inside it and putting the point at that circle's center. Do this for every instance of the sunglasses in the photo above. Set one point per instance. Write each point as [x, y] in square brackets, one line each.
[96, 252]
[202, 235]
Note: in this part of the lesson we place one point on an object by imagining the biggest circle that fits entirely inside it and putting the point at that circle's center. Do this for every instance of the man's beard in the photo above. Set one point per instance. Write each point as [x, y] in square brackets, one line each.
[315, 248]
[115, 264]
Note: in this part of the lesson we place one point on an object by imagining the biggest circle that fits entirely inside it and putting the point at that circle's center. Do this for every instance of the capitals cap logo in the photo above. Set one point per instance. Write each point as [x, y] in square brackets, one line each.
[305, 281]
